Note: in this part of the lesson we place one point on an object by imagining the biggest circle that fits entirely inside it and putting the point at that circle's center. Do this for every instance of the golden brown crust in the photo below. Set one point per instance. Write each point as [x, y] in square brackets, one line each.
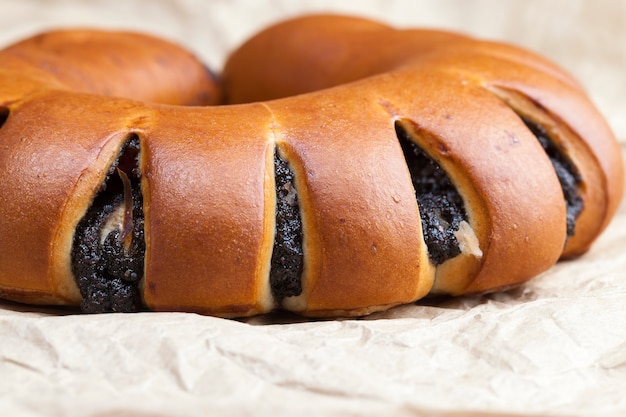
[209, 212]
[319, 52]
[122, 64]
[208, 184]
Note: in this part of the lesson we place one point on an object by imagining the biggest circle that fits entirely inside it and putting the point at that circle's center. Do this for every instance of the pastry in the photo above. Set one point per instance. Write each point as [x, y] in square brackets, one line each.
[336, 167]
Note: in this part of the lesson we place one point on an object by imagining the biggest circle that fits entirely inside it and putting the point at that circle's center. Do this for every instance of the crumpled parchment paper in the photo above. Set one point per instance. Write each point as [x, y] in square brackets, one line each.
[556, 345]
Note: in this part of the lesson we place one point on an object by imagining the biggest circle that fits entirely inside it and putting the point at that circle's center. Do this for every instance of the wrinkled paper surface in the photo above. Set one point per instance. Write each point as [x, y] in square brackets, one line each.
[556, 345]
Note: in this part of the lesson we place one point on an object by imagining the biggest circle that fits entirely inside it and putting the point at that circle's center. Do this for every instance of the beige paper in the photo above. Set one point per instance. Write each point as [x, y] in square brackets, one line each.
[556, 345]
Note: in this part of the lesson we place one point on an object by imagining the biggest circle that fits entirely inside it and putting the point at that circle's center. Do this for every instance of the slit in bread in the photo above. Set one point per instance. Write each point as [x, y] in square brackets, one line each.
[566, 172]
[576, 167]
[445, 223]
[287, 254]
[109, 247]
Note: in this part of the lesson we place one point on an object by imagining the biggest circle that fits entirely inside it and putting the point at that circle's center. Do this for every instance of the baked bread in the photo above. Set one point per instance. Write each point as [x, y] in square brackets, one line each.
[357, 167]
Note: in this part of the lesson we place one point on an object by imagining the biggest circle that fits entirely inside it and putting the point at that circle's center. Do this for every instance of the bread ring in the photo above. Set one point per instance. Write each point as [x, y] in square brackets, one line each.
[356, 167]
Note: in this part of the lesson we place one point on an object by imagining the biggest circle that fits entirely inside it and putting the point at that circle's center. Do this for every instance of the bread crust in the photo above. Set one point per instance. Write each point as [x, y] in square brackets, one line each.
[119, 64]
[209, 210]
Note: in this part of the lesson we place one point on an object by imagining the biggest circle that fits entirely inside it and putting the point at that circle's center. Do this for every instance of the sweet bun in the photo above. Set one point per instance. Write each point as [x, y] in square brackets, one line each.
[355, 167]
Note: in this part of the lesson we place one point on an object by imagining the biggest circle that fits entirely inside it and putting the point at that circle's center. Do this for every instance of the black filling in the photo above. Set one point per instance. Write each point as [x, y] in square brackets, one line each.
[4, 115]
[440, 205]
[287, 255]
[108, 273]
[568, 175]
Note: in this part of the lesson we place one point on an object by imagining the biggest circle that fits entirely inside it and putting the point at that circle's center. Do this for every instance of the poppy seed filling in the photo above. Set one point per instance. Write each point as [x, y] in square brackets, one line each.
[566, 172]
[109, 247]
[287, 254]
[440, 205]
